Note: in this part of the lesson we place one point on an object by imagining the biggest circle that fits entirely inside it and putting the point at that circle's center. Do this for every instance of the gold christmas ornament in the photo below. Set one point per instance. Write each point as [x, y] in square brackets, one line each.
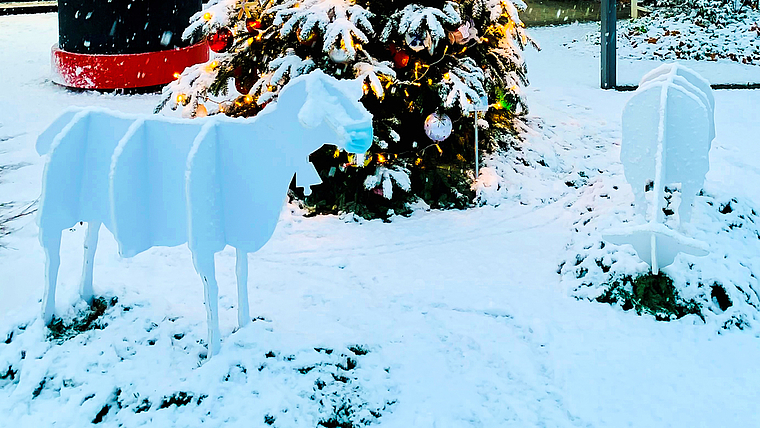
[247, 8]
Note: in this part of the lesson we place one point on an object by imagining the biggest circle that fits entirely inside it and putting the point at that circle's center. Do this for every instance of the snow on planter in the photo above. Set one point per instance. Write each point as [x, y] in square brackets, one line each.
[668, 127]
[211, 182]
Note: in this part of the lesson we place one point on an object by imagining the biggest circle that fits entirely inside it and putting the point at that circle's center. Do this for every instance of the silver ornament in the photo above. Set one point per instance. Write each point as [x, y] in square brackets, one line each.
[438, 126]
[338, 56]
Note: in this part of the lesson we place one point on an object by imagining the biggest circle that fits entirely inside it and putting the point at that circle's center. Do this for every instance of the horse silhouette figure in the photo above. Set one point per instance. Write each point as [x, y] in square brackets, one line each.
[668, 127]
[209, 182]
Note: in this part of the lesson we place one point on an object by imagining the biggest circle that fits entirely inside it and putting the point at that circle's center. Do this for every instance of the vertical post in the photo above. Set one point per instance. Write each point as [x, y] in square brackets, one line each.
[634, 9]
[609, 56]
[477, 158]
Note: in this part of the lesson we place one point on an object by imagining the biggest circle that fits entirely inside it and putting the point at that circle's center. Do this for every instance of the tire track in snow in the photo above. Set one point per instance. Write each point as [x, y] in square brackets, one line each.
[452, 235]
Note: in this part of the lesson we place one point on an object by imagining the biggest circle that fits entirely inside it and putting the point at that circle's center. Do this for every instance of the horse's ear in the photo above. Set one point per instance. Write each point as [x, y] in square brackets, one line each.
[352, 88]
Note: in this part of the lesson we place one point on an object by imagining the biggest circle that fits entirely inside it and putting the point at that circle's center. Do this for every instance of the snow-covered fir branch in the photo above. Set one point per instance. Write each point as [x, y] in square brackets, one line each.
[191, 88]
[280, 71]
[416, 21]
[370, 72]
[289, 66]
[339, 22]
[384, 179]
[463, 85]
[216, 14]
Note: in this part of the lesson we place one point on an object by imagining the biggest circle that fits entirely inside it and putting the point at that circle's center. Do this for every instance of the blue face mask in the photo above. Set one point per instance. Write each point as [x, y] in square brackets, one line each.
[360, 134]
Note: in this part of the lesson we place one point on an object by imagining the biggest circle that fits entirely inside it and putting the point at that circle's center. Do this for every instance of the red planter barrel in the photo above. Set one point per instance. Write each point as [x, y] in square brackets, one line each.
[123, 44]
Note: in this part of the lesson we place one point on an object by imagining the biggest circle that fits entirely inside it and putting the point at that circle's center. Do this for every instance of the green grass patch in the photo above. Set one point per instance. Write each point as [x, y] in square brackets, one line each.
[649, 294]
[88, 319]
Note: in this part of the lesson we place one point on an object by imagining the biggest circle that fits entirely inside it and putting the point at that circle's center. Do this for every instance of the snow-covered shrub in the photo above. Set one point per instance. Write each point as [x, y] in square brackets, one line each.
[652, 294]
[89, 318]
[722, 285]
[574, 165]
[140, 370]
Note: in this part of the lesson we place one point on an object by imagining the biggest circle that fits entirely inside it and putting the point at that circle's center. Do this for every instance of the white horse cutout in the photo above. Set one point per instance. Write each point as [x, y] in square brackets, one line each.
[668, 127]
[210, 182]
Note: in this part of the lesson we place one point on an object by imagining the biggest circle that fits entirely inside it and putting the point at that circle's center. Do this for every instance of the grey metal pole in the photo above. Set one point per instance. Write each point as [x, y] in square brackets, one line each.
[609, 56]
[477, 158]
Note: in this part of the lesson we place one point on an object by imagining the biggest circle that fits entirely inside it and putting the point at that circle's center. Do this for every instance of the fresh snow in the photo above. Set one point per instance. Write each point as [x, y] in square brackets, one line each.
[465, 317]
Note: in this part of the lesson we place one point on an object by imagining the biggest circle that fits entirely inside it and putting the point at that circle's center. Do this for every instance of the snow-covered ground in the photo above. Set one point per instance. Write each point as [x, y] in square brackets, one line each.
[466, 320]
[669, 36]
[728, 55]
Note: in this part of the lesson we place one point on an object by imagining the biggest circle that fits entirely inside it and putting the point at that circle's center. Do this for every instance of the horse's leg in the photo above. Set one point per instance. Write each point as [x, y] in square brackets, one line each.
[640, 201]
[90, 245]
[204, 264]
[241, 271]
[52, 246]
[688, 194]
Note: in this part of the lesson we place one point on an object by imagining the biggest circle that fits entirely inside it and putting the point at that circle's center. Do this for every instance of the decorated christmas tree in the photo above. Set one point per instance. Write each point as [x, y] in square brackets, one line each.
[426, 66]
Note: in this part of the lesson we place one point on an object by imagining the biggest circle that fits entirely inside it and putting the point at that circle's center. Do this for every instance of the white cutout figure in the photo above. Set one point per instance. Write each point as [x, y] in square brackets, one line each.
[212, 182]
[668, 127]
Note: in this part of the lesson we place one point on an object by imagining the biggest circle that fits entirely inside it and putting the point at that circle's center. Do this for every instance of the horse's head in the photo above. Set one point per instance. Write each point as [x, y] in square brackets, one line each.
[333, 106]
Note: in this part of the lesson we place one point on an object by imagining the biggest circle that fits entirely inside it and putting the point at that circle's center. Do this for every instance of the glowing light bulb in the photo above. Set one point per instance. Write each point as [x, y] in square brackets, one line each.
[207, 16]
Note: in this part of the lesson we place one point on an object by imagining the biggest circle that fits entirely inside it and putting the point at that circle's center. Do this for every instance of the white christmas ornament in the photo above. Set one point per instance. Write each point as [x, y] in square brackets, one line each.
[668, 127]
[208, 182]
[438, 126]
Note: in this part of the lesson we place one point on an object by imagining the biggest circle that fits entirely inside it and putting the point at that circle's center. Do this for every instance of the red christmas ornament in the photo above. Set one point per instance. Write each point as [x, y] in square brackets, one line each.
[401, 59]
[252, 24]
[221, 40]
[243, 84]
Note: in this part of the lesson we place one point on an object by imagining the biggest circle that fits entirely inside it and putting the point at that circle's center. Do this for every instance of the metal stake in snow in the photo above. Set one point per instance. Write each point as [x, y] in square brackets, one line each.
[476, 109]
[477, 161]
[671, 115]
